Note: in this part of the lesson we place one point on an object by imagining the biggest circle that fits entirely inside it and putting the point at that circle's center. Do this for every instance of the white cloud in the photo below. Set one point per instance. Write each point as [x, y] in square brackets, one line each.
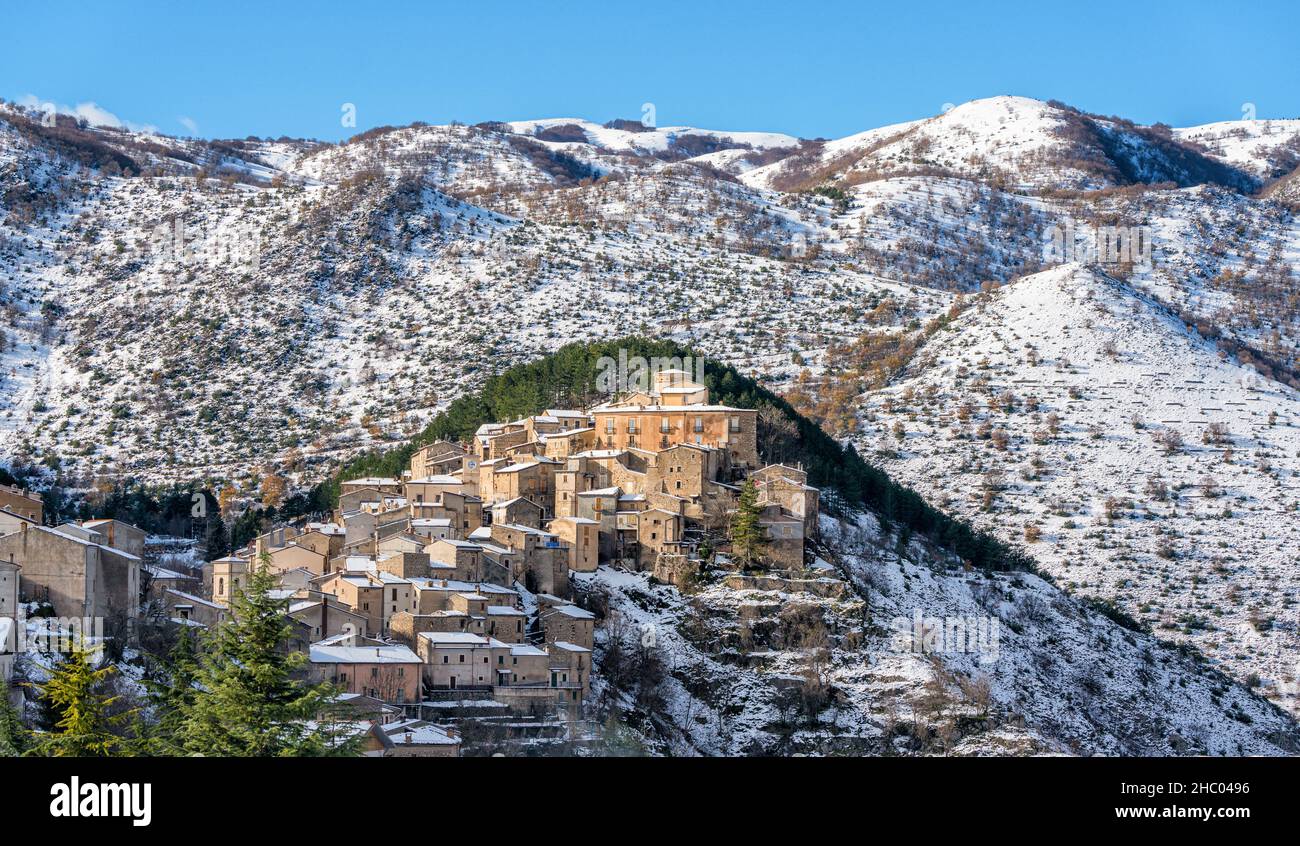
[91, 112]
[189, 123]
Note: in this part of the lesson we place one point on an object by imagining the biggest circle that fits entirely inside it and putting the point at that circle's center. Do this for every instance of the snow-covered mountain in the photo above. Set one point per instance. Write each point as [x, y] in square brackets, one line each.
[1265, 148]
[1015, 141]
[829, 665]
[1070, 411]
[179, 309]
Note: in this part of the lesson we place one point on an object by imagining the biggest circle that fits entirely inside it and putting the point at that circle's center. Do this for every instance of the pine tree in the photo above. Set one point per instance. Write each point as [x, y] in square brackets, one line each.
[13, 736]
[747, 541]
[174, 700]
[87, 724]
[216, 539]
[248, 703]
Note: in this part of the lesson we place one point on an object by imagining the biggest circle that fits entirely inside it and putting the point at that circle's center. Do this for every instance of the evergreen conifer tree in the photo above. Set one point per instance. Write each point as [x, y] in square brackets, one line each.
[249, 702]
[13, 735]
[747, 540]
[174, 700]
[87, 724]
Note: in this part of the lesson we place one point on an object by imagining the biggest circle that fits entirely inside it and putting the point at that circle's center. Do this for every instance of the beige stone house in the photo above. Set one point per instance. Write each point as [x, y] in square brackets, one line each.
[382, 484]
[659, 530]
[495, 440]
[358, 592]
[369, 500]
[533, 478]
[404, 542]
[465, 611]
[570, 664]
[188, 609]
[388, 673]
[119, 535]
[357, 525]
[433, 595]
[464, 556]
[327, 539]
[398, 595]
[464, 510]
[456, 660]
[582, 536]
[410, 739]
[579, 474]
[565, 444]
[459, 660]
[11, 522]
[677, 411]
[544, 559]
[785, 537]
[686, 470]
[429, 489]
[788, 488]
[406, 565]
[436, 459]
[519, 511]
[324, 616]
[600, 505]
[22, 502]
[569, 623]
[75, 570]
[435, 528]
[291, 556]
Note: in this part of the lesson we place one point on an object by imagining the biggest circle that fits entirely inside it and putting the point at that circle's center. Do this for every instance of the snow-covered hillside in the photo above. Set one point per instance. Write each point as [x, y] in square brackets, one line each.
[178, 309]
[1140, 465]
[1265, 148]
[1015, 141]
[830, 665]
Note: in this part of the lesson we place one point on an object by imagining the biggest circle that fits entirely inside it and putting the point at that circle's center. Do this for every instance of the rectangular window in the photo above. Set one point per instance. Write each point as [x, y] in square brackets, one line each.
[699, 424]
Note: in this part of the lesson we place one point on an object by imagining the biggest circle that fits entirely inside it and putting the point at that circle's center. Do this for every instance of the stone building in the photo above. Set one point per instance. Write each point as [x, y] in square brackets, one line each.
[75, 570]
[22, 502]
[677, 411]
[388, 673]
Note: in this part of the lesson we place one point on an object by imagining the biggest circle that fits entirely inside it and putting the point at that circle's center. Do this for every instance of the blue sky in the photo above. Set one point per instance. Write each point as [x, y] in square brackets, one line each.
[811, 69]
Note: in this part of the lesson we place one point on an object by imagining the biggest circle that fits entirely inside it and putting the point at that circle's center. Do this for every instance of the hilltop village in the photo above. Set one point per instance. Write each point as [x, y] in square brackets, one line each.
[441, 602]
